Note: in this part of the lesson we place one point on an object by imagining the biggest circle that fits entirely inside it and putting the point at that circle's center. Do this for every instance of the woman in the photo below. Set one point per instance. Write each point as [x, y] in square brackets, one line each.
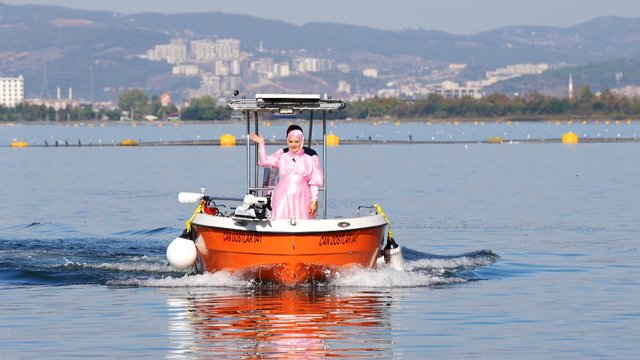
[300, 174]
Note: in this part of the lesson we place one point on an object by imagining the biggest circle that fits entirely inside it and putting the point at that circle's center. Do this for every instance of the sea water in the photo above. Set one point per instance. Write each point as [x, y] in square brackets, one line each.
[513, 250]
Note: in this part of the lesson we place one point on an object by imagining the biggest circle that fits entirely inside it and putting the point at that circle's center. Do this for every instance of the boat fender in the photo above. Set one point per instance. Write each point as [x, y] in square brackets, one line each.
[189, 197]
[392, 254]
[182, 253]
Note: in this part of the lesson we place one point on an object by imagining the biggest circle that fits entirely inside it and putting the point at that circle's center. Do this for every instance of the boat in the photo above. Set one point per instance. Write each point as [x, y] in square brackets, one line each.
[287, 252]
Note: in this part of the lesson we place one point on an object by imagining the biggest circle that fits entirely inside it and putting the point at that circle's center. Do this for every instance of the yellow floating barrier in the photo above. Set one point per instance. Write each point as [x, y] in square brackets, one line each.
[227, 140]
[333, 140]
[570, 138]
[19, 143]
[495, 140]
[129, 142]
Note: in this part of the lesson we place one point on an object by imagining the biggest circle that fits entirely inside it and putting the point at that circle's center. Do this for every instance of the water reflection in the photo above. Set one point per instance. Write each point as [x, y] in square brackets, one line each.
[280, 323]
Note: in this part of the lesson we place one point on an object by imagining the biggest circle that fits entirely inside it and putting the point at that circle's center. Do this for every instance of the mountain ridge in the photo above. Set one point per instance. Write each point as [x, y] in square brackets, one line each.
[82, 48]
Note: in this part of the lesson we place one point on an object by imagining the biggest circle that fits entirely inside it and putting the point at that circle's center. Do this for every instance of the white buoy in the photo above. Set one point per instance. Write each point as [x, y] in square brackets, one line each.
[182, 253]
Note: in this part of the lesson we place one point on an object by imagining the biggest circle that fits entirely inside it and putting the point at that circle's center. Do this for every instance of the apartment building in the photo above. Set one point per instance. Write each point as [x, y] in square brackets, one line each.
[11, 91]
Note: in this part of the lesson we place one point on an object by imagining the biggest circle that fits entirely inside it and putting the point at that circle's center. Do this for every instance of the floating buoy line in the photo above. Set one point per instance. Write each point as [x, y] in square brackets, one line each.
[331, 141]
[569, 138]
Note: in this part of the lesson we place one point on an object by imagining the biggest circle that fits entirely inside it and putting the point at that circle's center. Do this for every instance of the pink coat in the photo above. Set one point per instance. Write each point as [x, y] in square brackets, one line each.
[299, 179]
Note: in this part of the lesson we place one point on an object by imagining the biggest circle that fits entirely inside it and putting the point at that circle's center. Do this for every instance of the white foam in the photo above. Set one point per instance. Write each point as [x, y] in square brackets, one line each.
[389, 278]
[417, 273]
[147, 265]
[448, 263]
[217, 279]
[350, 278]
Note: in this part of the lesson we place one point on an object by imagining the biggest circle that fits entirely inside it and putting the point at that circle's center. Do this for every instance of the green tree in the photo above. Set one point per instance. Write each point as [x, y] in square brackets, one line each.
[205, 108]
[134, 101]
[112, 114]
[585, 101]
[162, 111]
[436, 105]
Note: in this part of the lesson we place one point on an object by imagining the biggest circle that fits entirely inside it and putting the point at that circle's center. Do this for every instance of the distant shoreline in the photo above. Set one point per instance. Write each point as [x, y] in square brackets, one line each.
[574, 118]
[343, 142]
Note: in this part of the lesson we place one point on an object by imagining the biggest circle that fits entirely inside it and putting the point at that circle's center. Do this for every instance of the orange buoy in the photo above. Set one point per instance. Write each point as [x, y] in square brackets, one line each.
[570, 138]
[333, 140]
[227, 140]
[129, 142]
[19, 143]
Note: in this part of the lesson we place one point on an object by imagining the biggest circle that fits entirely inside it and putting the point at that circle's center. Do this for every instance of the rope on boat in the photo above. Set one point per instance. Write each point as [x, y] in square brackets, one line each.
[198, 211]
[381, 212]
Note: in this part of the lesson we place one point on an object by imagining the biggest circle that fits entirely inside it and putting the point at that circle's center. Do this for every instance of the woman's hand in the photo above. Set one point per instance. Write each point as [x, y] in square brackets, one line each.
[313, 207]
[257, 138]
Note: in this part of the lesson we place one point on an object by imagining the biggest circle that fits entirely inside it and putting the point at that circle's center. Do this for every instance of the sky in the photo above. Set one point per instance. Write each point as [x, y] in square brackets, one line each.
[452, 16]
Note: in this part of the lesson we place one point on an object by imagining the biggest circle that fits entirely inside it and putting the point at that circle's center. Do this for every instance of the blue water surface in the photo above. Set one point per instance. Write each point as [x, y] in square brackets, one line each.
[513, 250]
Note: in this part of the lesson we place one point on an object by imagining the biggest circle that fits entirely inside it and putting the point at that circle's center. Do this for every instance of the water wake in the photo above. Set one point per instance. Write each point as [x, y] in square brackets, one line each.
[421, 270]
[140, 261]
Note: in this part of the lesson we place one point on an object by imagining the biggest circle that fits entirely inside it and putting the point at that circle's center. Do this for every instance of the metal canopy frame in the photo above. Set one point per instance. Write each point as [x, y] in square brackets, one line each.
[285, 104]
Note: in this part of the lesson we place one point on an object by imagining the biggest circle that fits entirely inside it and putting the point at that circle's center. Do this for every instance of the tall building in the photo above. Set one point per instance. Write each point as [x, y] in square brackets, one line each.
[203, 50]
[173, 53]
[11, 91]
[228, 49]
[223, 49]
[304, 64]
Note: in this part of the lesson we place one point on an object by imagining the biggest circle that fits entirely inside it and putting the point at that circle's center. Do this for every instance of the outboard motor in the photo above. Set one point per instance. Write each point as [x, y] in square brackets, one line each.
[254, 207]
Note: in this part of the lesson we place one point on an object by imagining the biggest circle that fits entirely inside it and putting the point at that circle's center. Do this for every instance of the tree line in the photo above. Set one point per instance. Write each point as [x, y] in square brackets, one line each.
[497, 105]
[133, 105]
[136, 105]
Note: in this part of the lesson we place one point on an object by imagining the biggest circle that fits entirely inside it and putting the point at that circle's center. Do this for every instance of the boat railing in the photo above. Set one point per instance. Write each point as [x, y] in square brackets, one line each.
[284, 104]
[372, 209]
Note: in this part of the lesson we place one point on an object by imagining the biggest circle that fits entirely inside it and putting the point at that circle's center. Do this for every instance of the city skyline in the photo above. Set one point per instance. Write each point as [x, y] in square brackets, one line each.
[452, 16]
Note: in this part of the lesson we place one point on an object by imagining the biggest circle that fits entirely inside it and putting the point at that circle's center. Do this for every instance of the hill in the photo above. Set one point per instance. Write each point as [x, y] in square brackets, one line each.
[597, 76]
[96, 52]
